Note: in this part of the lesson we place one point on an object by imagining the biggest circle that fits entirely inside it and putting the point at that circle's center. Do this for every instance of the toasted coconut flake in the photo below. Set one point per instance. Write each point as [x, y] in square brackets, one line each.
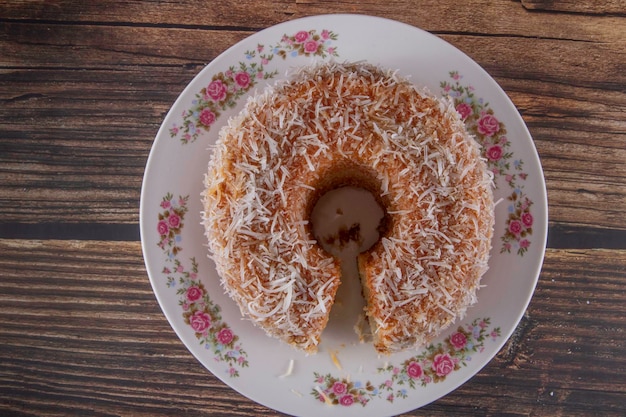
[289, 370]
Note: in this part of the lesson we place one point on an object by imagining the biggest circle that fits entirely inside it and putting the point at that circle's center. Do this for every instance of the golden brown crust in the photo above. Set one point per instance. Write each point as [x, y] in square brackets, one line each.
[354, 124]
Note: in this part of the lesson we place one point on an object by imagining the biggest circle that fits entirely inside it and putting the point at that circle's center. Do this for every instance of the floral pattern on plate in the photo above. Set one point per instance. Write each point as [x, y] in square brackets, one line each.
[491, 134]
[198, 310]
[226, 87]
[433, 365]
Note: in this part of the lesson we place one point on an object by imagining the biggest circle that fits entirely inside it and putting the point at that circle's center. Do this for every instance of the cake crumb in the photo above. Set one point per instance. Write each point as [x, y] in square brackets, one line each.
[333, 357]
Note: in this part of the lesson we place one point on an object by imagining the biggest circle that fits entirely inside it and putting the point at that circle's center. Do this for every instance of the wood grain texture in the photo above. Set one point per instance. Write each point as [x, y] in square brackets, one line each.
[84, 87]
[475, 16]
[86, 336]
[605, 7]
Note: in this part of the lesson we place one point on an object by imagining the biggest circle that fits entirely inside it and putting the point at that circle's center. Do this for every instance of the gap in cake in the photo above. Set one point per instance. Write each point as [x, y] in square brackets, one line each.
[347, 221]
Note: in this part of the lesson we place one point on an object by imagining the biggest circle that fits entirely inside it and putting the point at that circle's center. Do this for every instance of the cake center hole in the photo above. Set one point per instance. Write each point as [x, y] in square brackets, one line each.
[347, 221]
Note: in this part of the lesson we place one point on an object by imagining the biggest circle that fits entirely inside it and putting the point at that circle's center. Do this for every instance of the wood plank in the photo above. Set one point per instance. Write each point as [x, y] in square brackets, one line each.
[112, 349]
[77, 143]
[74, 47]
[182, 13]
[519, 18]
[575, 6]
[90, 130]
[82, 334]
[45, 44]
[85, 108]
[570, 236]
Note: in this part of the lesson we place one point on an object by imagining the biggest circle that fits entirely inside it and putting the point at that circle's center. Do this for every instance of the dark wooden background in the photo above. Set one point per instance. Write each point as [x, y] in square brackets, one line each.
[84, 87]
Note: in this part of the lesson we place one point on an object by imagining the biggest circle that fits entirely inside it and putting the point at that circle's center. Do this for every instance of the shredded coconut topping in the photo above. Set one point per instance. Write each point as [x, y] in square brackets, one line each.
[270, 161]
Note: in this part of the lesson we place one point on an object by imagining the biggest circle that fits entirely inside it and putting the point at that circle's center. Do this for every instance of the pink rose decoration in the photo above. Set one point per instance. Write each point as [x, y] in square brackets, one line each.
[443, 364]
[311, 47]
[225, 336]
[464, 109]
[414, 370]
[301, 36]
[339, 388]
[216, 90]
[488, 125]
[174, 220]
[458, 340]
[200, 321]
[494, 153]
[165, 204]
[242, 79]
[346, 400]
[162, 227]
[325, 34]
[524, 243]
[194, 293]
[527, 219]
[207, 117]
[515, 227]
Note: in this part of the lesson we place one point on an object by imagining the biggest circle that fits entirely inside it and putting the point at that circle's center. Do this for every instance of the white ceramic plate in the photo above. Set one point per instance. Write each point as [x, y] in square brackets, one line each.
[345, 378]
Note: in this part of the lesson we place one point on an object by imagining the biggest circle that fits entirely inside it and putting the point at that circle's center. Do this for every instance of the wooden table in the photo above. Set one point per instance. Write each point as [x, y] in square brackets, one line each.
[84, 87]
